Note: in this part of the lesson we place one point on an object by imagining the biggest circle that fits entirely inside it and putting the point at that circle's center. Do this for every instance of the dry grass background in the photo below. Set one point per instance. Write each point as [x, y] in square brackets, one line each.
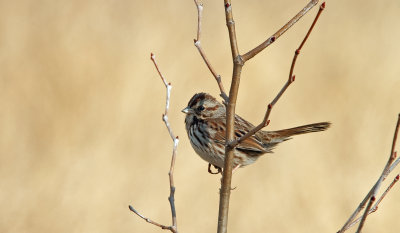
[81, 132]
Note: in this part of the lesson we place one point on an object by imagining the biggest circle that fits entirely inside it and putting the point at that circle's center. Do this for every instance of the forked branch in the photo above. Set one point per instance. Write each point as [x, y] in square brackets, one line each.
[291, 79]
[375, 207]
[173, 228]
[247, 56]
[238, 62]
[371, 196]
[197, 43]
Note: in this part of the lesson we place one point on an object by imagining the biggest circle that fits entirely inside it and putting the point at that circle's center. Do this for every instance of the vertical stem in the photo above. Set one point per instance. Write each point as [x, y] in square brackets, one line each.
[230, 121]
[227, 171]
[238, 63]
[230, 23]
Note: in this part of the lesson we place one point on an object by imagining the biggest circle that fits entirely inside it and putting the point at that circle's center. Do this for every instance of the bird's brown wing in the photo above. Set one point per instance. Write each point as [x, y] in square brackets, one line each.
[252, 145]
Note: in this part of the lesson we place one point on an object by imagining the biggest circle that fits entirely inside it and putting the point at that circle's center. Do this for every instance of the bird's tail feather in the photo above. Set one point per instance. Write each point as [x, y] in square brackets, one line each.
[316, 127]
[272, 138]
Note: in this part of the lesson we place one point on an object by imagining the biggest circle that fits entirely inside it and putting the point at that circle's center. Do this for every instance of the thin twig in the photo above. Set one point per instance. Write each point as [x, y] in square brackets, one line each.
[197, 43]
[149, 220]
[372, 193]
[375, 207]
[297, 52]
[280, 32]
[395, 163]
[173, 228]
[291, 79]
[396, 132]
[171, 197]
[364, 216]
[169, 87]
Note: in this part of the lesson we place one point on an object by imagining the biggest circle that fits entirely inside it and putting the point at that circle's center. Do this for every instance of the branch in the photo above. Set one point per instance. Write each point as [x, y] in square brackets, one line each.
[394, 163]
[149, 220]
[375, 207]
[225, 190]
[364, 216]
[238, 62]
[297, 52]
[291, 79]
[173, 228]
[197, 43]
[280, 32]
[390, 165]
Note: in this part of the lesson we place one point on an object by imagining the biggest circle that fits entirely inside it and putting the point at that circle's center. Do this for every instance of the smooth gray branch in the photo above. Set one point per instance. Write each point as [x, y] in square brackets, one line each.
[173, 228]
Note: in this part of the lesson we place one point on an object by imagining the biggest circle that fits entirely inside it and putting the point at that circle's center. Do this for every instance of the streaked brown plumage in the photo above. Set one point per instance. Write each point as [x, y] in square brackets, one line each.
[205, 125]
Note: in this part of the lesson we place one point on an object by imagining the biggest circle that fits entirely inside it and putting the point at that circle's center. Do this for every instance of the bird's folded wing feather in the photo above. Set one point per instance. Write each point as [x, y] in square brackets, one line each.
[252, 145]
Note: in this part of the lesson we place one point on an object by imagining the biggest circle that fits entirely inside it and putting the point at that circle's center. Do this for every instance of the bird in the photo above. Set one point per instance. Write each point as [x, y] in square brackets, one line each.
[205, 124]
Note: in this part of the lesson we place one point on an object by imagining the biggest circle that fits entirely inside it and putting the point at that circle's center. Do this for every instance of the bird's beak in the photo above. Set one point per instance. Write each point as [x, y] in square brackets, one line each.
[186, 110]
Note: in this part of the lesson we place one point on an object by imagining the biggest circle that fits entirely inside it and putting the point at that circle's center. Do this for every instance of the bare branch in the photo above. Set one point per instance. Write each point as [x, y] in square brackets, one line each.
[225, 190]
[169, 87]
[197, 43]
[149, 220]
[297, 52]
[291, 79]
[364, 217]
[238, 63]
[173, 228]
[372, 193]
[199, 6]
[153, 59]
[396, 132]
[395, 163]
[280, 32]
[230, 23]
[171, 197]
[375, 207]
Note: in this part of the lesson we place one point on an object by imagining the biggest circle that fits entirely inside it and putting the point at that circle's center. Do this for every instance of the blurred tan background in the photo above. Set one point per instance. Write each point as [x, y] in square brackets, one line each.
[82, 138]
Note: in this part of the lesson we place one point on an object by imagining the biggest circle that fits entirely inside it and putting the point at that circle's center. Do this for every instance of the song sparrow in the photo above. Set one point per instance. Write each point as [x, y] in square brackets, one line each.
[205, 126]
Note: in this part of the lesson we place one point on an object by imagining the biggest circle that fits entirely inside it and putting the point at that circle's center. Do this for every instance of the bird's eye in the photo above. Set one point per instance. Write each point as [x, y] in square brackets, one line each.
[200, 108]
